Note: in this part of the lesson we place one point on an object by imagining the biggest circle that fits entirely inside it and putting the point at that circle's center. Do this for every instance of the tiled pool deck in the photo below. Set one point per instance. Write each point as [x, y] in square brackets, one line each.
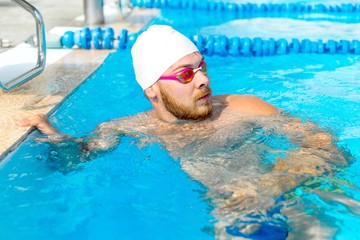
[43, 93]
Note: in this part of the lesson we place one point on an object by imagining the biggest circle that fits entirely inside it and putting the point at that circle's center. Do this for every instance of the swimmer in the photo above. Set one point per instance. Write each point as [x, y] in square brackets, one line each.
[211, 135]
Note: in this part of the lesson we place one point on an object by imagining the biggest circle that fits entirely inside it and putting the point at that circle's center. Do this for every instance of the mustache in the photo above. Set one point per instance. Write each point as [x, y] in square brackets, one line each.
[203, 92]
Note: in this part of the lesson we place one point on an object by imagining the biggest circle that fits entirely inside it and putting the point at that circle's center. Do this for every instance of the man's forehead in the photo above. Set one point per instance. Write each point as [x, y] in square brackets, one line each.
[188, 61]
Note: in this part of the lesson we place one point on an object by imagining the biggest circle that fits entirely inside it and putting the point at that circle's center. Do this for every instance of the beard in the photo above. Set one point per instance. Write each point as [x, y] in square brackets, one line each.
[194, 112]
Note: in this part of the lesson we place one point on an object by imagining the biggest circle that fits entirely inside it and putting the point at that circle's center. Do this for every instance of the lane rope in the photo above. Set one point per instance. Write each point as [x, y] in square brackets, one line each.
[221, 45]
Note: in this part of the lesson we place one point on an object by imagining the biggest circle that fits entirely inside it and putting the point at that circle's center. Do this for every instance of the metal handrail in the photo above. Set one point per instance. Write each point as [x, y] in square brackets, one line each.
[41, 47]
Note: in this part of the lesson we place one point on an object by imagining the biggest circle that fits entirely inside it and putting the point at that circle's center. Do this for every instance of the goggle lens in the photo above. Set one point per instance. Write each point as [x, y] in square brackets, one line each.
[186, 76]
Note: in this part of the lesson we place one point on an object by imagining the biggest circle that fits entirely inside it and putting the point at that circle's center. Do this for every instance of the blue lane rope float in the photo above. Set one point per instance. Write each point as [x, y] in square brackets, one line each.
[247, 7]
[99, 38]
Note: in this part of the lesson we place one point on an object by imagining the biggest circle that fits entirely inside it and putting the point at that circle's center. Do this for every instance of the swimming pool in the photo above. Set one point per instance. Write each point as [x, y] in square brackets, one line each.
[138, 192]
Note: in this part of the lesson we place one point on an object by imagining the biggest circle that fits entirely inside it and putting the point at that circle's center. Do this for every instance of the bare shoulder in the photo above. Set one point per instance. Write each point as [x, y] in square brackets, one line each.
[247, 104]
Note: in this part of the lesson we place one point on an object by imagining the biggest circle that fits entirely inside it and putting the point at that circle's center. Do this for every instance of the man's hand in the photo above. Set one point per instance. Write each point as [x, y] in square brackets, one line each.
[41, 122]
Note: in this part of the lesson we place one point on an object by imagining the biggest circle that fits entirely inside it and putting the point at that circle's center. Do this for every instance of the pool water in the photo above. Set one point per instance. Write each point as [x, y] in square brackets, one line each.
[140, 192]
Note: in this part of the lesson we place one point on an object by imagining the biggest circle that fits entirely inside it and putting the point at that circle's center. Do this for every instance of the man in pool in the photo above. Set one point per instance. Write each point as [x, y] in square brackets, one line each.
[218, 139]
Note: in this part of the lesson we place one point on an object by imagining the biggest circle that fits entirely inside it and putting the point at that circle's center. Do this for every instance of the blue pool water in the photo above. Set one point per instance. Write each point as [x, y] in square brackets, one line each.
[141, 192]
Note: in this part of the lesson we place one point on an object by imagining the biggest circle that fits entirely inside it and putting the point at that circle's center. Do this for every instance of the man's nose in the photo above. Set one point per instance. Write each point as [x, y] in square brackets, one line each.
[201, 79]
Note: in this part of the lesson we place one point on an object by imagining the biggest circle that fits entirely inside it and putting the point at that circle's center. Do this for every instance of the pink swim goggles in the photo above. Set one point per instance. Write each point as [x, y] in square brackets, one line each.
[186, 75]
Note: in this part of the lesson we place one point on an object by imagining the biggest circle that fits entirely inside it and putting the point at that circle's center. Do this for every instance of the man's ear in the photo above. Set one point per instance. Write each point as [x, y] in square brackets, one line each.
[150, 92]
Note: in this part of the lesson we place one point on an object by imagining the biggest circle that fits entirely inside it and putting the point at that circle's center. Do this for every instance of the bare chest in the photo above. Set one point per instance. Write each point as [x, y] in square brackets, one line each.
[202, 138]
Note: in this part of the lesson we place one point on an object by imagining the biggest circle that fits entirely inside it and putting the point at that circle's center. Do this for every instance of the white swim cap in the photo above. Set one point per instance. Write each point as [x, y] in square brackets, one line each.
[155, 50]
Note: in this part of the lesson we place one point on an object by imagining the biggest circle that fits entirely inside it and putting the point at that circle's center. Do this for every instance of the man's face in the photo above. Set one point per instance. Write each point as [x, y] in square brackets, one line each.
[191, 100]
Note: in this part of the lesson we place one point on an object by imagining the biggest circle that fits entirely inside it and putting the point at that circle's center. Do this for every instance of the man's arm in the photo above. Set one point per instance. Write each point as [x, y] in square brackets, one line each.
[317, 153]
[305, 134]
[67, 151]
[104, 138]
